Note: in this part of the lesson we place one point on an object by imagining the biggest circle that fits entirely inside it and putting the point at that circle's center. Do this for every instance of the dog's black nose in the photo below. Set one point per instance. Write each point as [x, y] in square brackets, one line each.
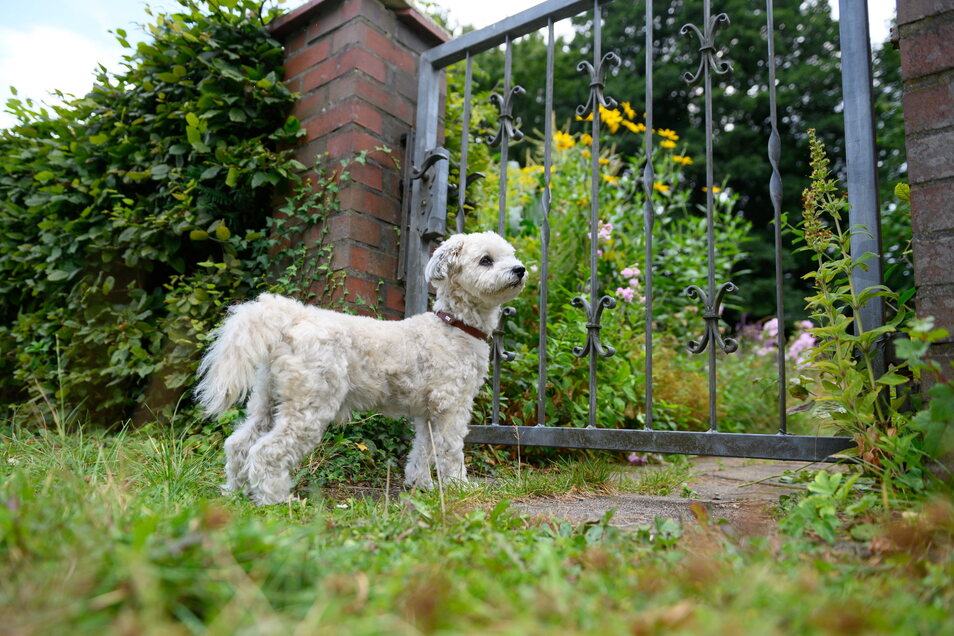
[519, 270]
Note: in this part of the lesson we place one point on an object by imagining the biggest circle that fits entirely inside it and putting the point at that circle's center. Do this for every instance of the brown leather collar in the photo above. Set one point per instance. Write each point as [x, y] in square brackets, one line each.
[453, 321]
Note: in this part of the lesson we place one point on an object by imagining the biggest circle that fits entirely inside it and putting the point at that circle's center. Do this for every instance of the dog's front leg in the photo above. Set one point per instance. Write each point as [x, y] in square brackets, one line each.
[417, 473]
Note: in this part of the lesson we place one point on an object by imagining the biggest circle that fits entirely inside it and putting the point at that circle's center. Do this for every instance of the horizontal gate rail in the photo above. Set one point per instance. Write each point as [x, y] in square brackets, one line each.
[522, 23]
[806, 448]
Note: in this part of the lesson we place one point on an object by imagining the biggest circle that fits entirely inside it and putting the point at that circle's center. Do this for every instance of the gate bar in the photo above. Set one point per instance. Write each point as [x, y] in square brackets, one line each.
[761, 446]
[528, 21]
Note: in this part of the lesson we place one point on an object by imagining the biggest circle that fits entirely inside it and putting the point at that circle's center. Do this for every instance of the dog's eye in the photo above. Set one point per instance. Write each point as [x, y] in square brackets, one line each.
[486, 261]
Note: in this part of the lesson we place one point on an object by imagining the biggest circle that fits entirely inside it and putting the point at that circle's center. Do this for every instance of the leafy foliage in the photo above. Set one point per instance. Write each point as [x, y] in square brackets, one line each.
[129, 216]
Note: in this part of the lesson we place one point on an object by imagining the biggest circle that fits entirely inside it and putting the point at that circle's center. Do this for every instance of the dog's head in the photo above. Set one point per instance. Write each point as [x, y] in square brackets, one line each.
[482, 266]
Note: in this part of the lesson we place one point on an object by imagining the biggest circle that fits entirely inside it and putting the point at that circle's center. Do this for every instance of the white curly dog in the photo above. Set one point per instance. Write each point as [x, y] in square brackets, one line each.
[302, 367]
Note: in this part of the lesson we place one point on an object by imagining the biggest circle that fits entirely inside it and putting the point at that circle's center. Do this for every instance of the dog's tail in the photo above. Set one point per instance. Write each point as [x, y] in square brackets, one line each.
[240, 345]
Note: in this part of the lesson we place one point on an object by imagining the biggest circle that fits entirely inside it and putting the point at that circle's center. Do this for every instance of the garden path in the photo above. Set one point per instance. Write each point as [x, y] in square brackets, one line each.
[740, 491]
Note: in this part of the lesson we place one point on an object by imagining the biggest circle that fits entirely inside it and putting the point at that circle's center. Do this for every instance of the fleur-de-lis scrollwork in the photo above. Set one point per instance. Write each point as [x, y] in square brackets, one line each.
[593, 316]
[509, 126]
[711, 316]
[706, 48]
[597, 83]
[497, 349]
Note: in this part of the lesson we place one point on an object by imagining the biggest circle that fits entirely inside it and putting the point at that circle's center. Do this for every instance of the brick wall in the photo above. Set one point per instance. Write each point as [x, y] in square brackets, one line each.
[926, 33]
[354, 62]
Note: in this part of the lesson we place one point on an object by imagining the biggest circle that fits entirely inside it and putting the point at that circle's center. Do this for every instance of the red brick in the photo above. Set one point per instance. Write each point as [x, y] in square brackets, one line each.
[310, 104]
[355, 59]
[930, 156]
[929, 106]
[295, 42]
[365, 33]
[359, 287]
[394, 298]
[319, 123]
[937, 301]
[372, 10]
[352, 140]
[317, 52]
[356, 197]
[355, 227]
[927, 50]
[912, 10]
[363, 259]
[368, 174]
[363, 87]
[934, 260]
[932, 208]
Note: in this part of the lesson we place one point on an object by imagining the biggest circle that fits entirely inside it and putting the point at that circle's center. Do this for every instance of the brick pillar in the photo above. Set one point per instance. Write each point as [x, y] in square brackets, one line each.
[926, 31]
[354, 62]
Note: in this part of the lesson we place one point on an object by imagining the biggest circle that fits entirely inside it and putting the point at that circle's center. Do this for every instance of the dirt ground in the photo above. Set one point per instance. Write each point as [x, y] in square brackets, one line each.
[740, 491]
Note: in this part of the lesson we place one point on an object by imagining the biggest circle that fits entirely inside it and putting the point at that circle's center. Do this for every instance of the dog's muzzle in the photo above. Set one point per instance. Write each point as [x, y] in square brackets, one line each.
[518, 273]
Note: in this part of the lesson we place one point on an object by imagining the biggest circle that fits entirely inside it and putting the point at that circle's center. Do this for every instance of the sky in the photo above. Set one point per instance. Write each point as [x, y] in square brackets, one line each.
[48, 45]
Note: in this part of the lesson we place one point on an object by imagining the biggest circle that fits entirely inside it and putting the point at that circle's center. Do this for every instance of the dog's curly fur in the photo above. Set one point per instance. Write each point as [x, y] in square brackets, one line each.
[301, 367]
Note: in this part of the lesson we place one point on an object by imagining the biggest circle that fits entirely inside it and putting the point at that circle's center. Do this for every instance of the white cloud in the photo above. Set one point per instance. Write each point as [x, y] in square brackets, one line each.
[41, 59]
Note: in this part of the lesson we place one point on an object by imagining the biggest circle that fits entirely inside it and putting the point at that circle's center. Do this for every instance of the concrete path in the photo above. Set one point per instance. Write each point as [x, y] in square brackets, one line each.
[740, 491]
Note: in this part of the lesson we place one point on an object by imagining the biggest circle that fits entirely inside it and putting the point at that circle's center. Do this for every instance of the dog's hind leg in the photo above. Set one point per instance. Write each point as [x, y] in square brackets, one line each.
[258, 422]
[273, 458]
[417, 473]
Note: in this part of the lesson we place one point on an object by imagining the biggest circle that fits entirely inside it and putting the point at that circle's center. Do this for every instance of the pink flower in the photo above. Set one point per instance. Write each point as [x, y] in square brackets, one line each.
[633, 282]
[639, 460]
[626, 293]
[770, 328]
[798, 350]
[605, 231]
[805, 324]
[628, 272]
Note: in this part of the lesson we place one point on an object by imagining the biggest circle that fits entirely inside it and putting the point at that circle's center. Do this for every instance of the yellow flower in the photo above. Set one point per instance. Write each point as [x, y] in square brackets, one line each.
[585, 139]
[683, 159]
[668, 134]
[634, 128]
[665, 143]
[585, 153]
[611, 118]
[610, 179]
[587, 118]
[628, 110]
[563, 141]
[603, 161]
[661, 187]
[715, 189]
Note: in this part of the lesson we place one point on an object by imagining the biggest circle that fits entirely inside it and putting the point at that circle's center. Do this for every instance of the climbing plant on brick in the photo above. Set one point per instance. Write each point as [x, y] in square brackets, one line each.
[129, 216]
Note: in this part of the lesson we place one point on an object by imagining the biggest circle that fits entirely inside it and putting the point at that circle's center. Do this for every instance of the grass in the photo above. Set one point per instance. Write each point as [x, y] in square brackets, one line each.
[127, 533]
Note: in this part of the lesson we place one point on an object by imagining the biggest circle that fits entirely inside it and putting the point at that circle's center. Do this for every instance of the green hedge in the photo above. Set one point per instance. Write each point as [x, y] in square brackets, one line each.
[130, 215]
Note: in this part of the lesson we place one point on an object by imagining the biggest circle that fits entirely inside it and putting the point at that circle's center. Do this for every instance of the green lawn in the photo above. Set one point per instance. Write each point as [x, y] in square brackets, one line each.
[128, 534]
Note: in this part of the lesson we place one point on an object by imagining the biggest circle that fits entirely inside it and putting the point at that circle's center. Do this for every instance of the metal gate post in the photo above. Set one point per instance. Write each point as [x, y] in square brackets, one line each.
[861, 157]
[427, 210]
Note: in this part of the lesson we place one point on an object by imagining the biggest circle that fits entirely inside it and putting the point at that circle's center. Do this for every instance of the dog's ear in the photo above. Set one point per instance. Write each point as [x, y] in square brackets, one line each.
[443, 257]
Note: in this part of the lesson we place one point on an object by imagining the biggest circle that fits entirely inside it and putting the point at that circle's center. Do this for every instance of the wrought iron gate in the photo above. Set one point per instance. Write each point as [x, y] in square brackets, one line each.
[425, 218]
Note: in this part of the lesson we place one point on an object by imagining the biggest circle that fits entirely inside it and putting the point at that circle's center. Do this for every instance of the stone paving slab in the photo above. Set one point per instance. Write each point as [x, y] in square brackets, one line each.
[740, 491]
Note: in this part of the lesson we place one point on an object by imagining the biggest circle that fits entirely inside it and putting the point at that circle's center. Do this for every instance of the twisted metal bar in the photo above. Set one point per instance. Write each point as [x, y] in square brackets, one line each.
[497, 355]
[775, 193]
[594, 308]
[545, 233]
[649, 214]
[712, 299]
[463, 180]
